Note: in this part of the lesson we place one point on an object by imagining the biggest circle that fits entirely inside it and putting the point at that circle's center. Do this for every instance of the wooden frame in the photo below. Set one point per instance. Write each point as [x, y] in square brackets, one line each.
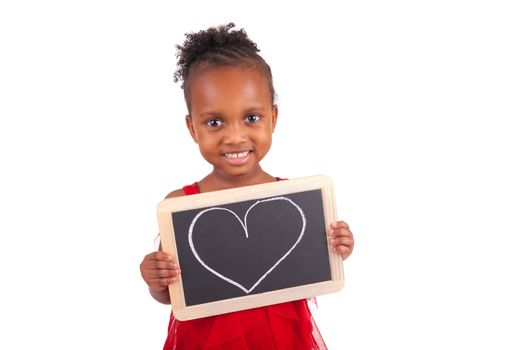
[203, 200]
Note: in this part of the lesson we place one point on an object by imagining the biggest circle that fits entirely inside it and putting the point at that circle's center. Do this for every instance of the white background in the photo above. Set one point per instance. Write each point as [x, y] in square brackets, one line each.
[414, 108]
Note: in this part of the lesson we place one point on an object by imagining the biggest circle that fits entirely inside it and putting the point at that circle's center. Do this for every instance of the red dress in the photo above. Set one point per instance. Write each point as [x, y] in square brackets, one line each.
[286, 326]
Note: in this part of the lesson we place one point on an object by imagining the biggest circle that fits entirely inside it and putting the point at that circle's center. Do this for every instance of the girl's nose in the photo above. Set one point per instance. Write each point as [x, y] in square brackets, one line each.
[236, 134]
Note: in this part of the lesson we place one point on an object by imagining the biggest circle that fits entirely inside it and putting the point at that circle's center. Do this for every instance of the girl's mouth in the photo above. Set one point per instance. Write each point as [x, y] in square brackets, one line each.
[237, 158]
[236, 155]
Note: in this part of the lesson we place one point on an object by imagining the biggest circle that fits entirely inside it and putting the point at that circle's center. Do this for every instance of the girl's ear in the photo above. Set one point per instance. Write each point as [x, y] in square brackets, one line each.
[189, 125]
[275, 113]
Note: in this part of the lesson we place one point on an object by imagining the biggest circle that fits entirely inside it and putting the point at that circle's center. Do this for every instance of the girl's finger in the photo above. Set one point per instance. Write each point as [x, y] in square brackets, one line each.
[344, 250]
[161, 256]
[161, 284]
[168, 281]
[340, 224]
[164, 265]
[167, 273]
[342, 240]
[340, 232]
[163, 280]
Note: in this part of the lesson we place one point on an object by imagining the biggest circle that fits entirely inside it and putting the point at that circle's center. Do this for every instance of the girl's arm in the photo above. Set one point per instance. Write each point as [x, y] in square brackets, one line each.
[159, 270]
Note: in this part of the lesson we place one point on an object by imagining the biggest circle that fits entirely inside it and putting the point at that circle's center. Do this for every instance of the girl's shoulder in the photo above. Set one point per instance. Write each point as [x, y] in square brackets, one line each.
[176, 193]
[186, 190]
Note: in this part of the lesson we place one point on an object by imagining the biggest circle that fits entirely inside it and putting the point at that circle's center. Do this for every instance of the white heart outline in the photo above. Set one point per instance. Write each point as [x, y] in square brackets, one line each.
[245, 227]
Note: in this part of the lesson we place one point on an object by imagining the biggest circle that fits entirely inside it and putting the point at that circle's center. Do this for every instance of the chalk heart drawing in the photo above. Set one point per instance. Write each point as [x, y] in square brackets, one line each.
[245, 227]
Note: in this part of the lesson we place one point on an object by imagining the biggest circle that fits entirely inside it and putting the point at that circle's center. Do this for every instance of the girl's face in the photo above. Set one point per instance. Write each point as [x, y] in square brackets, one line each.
[232, 118]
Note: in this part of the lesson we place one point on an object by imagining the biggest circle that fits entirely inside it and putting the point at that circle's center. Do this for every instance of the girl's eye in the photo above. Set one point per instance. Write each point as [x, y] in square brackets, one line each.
[252, 118]
[214, 123]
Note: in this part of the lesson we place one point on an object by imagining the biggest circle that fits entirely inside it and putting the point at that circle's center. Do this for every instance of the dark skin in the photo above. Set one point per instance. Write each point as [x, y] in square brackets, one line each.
[232, 120]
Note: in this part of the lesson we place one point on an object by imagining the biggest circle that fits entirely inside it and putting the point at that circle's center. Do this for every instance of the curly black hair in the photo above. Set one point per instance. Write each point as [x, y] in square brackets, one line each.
[218, 47]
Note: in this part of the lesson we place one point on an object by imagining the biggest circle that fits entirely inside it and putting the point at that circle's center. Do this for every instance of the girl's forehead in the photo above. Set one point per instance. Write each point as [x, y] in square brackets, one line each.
[223, 85]
[228, 76]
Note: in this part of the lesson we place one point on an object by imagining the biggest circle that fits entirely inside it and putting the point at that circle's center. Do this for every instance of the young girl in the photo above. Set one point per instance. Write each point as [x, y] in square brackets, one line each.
[231, 116]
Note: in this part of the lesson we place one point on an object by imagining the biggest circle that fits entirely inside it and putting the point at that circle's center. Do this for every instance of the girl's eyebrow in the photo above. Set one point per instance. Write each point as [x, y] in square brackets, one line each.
[254, 109]
[205, 113]
[208, 114]
[218, 114]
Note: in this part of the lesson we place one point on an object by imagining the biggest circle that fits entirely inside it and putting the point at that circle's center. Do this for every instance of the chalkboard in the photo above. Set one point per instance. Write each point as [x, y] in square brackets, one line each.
[250, 246]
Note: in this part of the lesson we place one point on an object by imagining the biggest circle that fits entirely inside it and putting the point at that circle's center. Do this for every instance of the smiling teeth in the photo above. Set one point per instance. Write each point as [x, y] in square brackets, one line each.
[237, 155]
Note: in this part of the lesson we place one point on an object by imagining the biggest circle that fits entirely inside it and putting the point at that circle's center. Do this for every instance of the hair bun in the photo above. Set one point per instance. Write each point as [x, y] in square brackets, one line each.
[213, 40]
[219, 46]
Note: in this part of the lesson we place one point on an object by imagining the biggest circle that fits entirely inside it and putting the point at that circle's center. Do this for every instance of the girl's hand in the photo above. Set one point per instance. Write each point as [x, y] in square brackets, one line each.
[159, 270]
[341, 238]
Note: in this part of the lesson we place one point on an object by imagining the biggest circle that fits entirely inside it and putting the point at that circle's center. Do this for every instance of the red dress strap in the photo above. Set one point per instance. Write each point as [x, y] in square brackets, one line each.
[191, 189]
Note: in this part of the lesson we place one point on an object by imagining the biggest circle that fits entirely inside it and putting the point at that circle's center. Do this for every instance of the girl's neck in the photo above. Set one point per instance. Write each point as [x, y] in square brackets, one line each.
[219, 181]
